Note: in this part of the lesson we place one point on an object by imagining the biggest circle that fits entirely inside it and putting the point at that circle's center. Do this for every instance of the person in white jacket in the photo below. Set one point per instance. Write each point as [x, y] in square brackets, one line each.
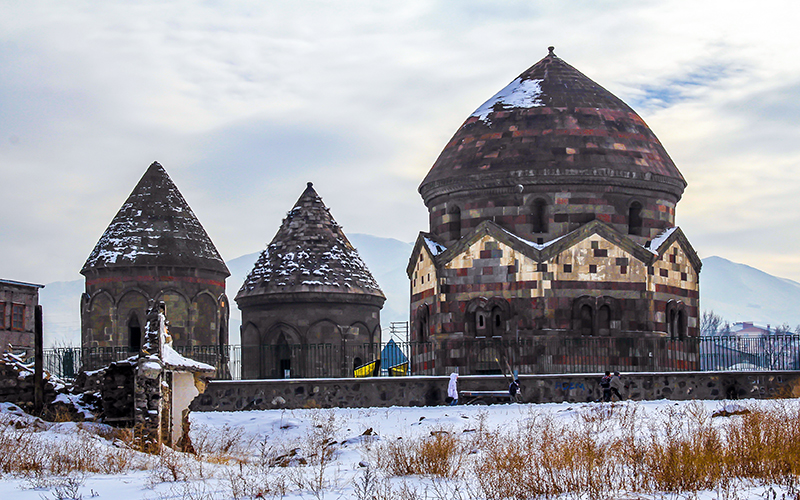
[452, 389]
[617, 386]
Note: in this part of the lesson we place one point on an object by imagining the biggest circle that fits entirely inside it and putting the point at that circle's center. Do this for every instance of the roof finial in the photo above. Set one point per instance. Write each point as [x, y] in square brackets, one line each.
[550, 50]
[309, 184]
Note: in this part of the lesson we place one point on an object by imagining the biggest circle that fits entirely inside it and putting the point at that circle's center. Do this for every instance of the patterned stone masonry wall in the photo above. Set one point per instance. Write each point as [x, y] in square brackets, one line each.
[674, 279]
[535, 296]
[197, 306]
[272, 325]
[566, 208]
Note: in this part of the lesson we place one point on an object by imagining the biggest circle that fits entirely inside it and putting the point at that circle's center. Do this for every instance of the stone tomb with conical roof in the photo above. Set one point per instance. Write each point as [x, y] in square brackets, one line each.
[552, 212]
[309, 287]
[154, 250]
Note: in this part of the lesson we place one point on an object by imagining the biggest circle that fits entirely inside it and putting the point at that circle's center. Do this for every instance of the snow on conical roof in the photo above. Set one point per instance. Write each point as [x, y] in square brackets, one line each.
[155, 227]
[310, 253]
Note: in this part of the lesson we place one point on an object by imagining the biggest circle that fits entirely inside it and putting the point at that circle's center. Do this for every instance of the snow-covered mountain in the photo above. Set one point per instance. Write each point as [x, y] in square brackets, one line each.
[734, 291]
[738, 292]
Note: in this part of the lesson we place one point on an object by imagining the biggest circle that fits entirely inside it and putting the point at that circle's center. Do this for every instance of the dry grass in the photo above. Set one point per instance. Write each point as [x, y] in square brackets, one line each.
[26, 452]
[441, 454]
[608, 451]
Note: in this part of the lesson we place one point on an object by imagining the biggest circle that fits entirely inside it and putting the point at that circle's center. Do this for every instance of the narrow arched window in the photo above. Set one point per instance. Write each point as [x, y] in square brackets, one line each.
[454, 224]
[483, 323]
[635, 219]
[680, 324]
[538, 216]
[134, 334]
[497, 322]
[603, 321]
[671, 322]
[422, 334]
[587, 320]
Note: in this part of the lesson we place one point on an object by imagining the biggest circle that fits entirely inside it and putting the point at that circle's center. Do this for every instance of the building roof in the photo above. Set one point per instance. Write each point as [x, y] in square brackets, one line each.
[309, 254]
[155, 227]
[20, 283]
[543, 252]
[553, 125]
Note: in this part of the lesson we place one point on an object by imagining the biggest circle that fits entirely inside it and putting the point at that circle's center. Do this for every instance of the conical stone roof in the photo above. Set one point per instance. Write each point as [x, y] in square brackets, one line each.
[310, 254]
[553, 125]
[155, 227]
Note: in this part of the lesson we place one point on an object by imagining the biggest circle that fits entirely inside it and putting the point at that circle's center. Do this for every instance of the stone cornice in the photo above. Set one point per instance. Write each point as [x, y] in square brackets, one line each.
[507, 182]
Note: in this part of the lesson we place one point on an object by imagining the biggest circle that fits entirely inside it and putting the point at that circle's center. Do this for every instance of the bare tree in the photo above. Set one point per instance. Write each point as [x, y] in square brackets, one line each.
[777, 346]
[710, 323]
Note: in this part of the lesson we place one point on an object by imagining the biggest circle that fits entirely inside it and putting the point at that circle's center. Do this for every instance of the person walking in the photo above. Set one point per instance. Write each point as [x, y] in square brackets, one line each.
[514, 391]
[605, 384]
[452, 389]
[617, 386]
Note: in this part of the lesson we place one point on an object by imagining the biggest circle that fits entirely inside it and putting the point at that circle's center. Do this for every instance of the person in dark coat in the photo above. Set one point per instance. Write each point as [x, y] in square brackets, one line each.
[605, 384]
[514, 390]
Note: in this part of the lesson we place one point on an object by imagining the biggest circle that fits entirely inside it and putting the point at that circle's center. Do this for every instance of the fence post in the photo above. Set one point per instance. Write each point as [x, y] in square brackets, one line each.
[38, 367]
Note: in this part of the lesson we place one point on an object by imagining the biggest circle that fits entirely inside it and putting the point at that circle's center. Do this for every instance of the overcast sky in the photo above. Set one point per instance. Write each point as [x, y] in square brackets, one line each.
[244, 102]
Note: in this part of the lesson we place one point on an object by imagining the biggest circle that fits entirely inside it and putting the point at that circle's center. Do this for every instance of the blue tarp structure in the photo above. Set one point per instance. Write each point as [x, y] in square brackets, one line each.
[393, 357]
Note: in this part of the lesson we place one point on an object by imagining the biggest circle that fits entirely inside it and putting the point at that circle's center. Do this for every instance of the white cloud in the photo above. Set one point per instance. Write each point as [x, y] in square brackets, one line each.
[244, 102]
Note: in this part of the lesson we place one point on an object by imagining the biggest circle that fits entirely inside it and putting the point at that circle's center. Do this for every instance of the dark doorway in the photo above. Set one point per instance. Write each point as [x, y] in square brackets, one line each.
[134, 334]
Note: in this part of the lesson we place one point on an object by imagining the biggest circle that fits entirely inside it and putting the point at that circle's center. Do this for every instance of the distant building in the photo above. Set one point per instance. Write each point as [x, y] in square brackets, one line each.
[747, 346]
[750, 329]
[18, 303]
[310, 307]
[155, 249]
[552, 213]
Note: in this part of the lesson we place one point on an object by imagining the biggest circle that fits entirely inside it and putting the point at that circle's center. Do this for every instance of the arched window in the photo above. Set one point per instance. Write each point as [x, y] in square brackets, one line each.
[482, 323]
[497, 322]
[454, 223]
[134, 334]
[538, 216]
[676, 319]
[587, 320]
[423, 324]
[671, 322]
[604, 321]
[635, 219]
[680, 324]
[283, 357]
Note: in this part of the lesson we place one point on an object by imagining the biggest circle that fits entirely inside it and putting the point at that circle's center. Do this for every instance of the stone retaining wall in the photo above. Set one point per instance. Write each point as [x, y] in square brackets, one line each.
[231, 395]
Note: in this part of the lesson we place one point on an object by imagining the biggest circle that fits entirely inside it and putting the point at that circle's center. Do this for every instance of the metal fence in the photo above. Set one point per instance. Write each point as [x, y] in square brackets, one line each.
[548, 354]
[67, 362]
[752, 353]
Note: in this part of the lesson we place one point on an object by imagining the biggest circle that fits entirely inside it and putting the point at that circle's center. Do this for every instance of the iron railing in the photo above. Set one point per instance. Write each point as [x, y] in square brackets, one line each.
[67, 362]
[546, 354]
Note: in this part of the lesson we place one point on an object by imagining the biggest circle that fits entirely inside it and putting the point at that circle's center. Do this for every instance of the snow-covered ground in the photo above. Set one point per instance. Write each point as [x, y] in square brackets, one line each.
[276, 453]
